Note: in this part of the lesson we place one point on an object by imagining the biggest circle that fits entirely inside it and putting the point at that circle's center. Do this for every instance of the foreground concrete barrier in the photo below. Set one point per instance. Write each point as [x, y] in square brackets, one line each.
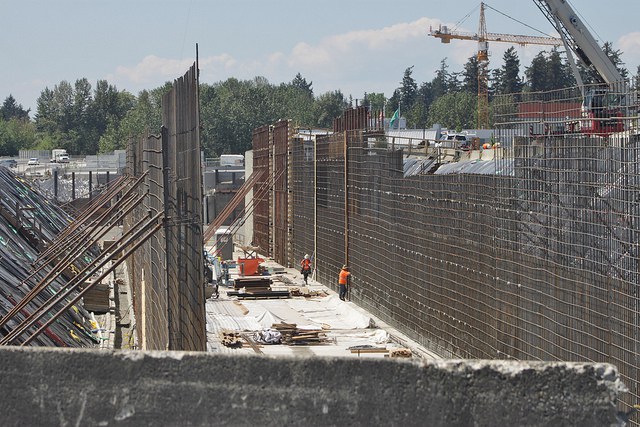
[62, 387]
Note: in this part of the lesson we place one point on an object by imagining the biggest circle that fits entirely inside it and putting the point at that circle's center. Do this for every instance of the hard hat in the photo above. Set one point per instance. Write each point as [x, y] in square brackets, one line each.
[345, 267]
[306, 256]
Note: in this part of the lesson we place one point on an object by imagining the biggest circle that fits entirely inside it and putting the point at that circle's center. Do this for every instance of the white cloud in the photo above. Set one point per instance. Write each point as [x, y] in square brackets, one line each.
[330, 51]
[630, 47]
[152, 68]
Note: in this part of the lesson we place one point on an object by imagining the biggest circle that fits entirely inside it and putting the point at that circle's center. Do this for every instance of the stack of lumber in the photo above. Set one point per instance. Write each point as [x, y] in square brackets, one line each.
[361, 349]
[253, 283]
[96, 299]
[254, 287]
[291, 335]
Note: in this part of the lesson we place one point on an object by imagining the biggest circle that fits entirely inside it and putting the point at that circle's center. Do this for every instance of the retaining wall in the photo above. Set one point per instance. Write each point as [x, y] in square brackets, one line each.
[47, 386]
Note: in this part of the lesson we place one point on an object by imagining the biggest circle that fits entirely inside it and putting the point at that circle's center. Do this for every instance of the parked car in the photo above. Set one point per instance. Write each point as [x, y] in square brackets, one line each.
[10, 163]
[33, 161]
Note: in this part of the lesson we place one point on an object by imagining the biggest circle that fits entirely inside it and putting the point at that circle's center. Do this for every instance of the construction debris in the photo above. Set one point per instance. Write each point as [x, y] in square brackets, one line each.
[366, 348]
[292, 335]
[268, 336]
[306, 292]
[231, 339]
[401, 352]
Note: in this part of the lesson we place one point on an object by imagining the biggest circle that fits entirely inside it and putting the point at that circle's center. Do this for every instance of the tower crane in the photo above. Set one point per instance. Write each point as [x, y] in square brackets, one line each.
[483, 38]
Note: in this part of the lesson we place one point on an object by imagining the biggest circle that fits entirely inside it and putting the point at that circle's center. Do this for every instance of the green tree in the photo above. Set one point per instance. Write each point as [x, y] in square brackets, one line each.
[408, 90]
[329, 106]
[301, 83]
[16, 134]
[470, 76]
[12, 110]
[109, 107]
[507, 78]
[146, 114]
[444, 82]
[548, 72]
[456, 110]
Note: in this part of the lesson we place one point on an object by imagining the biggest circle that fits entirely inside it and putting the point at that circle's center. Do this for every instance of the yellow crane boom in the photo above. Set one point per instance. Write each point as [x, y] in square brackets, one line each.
[446, 36]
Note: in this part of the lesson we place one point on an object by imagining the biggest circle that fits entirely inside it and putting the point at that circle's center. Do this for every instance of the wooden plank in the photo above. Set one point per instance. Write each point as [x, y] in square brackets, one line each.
[369, 350]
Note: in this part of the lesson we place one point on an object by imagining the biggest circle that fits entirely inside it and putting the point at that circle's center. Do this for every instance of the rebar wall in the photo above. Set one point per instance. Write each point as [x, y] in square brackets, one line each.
[167, 273]
[536, 260]
[262, 203]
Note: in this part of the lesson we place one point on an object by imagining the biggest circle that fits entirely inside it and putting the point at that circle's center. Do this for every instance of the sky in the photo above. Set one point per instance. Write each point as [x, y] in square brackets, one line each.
[355, 46]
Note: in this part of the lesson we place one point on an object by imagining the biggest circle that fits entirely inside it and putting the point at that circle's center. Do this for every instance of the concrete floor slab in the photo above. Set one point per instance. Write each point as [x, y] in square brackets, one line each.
[344, 324]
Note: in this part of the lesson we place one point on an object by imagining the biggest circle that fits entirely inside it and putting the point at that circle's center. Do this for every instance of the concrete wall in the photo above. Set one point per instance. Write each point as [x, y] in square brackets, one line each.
[46, 386]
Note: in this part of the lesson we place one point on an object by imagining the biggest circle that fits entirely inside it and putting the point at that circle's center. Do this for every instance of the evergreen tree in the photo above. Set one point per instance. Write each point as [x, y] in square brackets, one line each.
[443, 82]
[301, 83]
[470, 76]
[12, 110]
[615, 55]
[408, 90]
[559, 74]
[536, 73]
[507, 78]
[548, 72]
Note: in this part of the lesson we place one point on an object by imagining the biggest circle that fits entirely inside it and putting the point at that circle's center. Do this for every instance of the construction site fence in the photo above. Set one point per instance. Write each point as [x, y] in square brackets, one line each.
[532, 256]
[167, 272]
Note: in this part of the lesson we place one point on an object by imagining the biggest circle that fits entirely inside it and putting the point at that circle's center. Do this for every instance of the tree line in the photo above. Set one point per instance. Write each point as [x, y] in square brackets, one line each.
[87, 120]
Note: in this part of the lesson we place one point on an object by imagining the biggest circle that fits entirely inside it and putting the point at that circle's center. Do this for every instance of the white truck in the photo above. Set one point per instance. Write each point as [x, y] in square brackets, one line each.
[59, 155]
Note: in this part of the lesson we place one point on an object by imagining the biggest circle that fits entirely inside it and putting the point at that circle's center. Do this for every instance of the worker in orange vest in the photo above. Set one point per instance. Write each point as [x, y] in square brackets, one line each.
[306, 267]
[343, 281]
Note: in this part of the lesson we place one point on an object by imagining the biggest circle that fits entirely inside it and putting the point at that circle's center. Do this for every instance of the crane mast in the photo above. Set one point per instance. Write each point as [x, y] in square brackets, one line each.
[483, 71]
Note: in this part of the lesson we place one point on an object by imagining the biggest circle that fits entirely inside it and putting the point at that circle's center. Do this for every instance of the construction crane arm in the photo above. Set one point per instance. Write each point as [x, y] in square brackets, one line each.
[445, 36]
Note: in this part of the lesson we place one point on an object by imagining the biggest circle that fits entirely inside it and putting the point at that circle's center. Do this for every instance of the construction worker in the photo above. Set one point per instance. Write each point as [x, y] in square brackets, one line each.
[306, 267]
[343, 281]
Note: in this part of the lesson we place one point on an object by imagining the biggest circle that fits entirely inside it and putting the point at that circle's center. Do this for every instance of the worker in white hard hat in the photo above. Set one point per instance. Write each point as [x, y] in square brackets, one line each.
[306, 267]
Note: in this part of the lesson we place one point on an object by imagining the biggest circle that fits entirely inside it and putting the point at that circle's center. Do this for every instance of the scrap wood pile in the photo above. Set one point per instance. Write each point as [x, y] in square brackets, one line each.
[292, 335]
[231, 339]
[306, 292]
[255, 287]
[400, 352]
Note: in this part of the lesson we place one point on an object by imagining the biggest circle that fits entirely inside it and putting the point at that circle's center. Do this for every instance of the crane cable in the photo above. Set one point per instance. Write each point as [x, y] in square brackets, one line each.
[518, 21]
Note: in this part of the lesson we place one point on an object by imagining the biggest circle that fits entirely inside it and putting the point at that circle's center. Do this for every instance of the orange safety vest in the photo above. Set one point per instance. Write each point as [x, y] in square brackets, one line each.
[306, 264]
[344, 274]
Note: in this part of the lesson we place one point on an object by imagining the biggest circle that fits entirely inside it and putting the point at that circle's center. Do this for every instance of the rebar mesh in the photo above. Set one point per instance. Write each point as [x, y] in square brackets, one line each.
[167, 272]
[533, 257]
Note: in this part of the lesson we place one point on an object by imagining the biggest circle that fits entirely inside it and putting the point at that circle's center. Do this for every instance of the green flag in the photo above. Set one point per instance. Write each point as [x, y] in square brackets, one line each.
[394, 118]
